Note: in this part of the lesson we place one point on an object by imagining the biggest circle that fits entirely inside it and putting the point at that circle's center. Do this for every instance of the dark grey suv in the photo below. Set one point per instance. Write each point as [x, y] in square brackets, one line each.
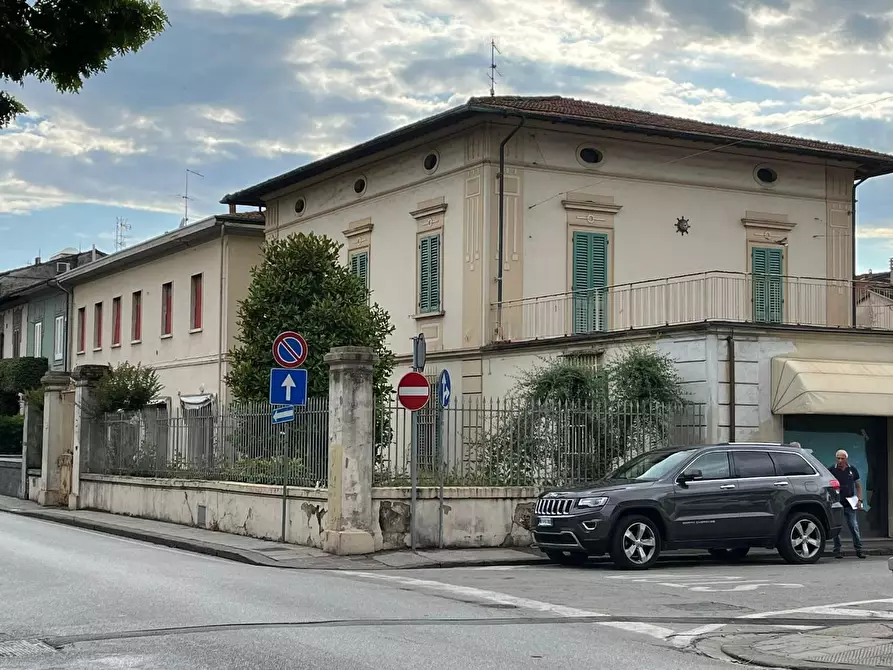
[724, 498]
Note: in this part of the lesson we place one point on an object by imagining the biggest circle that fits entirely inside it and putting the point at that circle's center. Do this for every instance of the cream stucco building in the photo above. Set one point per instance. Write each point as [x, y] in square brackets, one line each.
[171, 303]
[730, 249]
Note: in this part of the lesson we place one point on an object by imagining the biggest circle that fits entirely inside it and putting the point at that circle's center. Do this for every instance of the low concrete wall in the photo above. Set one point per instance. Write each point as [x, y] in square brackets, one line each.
[10, 476]
[244, 509]
[472, 517]
[487, 516]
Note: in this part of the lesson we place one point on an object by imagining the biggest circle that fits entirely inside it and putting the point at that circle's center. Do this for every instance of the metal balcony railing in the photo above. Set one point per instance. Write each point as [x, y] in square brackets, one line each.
[695, 298]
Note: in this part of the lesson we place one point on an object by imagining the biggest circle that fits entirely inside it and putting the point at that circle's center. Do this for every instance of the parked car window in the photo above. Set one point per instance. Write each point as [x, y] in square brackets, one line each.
[710, 466]
[753, 464]
[791, 465]
[652, 465]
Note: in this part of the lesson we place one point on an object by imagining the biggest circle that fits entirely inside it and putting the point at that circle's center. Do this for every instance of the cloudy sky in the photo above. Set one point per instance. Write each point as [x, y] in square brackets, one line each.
[242, 90]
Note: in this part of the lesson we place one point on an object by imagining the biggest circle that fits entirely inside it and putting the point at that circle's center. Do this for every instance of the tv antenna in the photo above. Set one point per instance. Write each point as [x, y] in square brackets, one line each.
[494, 71]
[122, 227]
[185, 196]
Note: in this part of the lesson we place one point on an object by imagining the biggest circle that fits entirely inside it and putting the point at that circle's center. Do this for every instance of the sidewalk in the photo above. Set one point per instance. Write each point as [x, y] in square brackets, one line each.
[851, 647]
[264, 552]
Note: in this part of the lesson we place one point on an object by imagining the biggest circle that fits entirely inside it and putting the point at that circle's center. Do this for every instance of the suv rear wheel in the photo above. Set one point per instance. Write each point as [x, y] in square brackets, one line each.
[635, 544]
[802, 540]
[567, 557]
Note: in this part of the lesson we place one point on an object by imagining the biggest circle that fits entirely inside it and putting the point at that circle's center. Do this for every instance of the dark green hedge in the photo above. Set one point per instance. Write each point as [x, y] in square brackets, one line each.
[17, 375]
[11, 428]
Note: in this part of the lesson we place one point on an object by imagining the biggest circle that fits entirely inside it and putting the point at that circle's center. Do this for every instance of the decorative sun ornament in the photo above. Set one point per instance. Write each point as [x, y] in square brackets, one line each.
[682, 225]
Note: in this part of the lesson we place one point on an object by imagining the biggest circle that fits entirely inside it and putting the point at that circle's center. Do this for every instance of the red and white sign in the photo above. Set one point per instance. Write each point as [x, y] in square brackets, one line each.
[413, 391]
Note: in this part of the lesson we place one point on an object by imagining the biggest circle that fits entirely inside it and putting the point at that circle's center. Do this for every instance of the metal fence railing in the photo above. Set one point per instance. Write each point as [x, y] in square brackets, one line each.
[480, 442]
[238, 443]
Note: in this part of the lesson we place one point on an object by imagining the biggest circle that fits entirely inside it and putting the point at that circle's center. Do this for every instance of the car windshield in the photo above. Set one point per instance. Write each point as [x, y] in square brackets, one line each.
[652, 465]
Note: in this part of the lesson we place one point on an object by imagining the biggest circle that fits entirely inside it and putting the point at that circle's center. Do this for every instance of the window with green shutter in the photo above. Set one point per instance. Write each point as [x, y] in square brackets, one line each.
[590, 282]
[359, 266]
[429, 274]
[767, 266]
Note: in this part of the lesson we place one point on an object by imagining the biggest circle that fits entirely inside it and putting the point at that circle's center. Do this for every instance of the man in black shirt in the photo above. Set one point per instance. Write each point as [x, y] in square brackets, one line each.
[850, 489]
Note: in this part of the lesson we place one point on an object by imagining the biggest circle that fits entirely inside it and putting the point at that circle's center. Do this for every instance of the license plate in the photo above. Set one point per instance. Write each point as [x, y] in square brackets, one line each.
[545, 521]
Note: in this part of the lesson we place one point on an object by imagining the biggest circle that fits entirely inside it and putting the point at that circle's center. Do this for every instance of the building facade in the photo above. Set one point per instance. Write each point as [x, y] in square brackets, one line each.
[512, 229]
[169, 303]
[34, 305]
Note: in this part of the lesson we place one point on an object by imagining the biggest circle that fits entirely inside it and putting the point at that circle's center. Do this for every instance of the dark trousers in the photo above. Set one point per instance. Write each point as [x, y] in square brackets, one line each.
[852, 522]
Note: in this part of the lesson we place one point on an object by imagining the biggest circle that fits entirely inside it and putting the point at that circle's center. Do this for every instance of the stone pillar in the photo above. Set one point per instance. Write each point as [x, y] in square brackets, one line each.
[351, 444]
[57, 428]
[85, 378]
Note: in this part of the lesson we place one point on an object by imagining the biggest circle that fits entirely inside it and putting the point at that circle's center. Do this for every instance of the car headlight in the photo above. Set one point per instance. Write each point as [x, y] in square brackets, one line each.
[592, 502]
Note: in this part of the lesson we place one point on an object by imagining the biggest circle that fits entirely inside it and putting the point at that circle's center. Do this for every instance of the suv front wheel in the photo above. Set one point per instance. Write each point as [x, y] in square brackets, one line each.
[635, 544]
[802, 540]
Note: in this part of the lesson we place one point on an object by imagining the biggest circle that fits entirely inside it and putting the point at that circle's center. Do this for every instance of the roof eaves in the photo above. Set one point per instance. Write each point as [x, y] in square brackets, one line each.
[139, 252]
[252, 196]
[881, 165]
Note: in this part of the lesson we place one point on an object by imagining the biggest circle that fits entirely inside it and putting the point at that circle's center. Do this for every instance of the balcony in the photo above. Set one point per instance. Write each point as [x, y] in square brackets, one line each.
[696, 298]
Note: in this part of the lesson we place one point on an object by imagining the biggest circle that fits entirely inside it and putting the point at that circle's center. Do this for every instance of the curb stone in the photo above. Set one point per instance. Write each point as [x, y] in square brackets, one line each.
[745, 653]
[255, 558]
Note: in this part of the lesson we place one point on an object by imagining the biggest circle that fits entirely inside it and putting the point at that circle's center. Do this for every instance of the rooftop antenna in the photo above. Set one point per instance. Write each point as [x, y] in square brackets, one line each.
[185, 197]
[122, 227]
[494, 71]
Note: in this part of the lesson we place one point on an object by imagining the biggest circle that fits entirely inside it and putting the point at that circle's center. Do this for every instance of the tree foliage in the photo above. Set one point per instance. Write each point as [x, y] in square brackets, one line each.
[65, 42]
[126, 388]
[301, 285]
[569, 423]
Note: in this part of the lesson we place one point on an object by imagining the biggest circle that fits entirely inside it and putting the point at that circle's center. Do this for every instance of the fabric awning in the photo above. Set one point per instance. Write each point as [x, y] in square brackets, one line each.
[196, 401]
[816, 386]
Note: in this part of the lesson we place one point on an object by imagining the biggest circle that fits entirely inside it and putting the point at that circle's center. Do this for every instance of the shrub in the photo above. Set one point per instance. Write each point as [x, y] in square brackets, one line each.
[11, 430]
[17, 375]
[127, 388]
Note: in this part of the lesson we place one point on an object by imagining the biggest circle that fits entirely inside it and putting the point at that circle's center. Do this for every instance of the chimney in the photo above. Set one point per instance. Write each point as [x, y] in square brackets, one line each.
[37, 260]
[891, 271]
[93, 254]
[232, 210]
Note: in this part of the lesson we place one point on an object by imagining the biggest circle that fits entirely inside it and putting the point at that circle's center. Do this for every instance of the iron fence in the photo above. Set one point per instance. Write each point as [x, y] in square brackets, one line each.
[479, 442]
[238, 443]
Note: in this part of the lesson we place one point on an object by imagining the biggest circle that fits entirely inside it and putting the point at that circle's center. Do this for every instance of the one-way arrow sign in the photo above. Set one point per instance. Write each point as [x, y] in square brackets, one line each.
[288, 387]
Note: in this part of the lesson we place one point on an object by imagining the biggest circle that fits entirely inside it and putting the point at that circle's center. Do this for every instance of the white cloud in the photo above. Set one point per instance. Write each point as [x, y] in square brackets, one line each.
[64, 135]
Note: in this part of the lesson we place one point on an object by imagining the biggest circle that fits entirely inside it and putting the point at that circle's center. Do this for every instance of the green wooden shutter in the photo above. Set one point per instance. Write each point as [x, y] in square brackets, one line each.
[590, 281]
[429, 274]
[767, 266]
[359, 266]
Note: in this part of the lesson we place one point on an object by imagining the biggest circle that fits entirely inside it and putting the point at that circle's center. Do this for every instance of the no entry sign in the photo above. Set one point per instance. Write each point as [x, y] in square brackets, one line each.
[413, 391]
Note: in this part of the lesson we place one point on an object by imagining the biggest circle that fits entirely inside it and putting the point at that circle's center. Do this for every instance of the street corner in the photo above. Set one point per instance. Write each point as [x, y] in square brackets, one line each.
[860, 645]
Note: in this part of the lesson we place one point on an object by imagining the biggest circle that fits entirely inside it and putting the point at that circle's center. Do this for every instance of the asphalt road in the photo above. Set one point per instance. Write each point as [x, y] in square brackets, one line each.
[97, 601]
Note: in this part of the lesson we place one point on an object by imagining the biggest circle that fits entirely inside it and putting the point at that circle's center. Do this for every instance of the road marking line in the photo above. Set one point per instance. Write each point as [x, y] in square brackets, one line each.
[686, 638]
[822, 609]
[523, 603]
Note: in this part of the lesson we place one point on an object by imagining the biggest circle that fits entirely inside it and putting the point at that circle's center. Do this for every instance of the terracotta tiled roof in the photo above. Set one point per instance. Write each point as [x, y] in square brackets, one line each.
[247, 217]
[639, 120]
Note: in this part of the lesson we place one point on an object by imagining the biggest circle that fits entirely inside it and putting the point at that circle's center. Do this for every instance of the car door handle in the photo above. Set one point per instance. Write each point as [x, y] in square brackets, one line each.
[781, 484]
[726, 487]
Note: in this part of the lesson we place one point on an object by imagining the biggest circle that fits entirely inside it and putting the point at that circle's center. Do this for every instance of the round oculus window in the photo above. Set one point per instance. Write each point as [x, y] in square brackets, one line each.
[767, 175]
[591, 155]
[359, 186]
[300, 205]
[431, 162]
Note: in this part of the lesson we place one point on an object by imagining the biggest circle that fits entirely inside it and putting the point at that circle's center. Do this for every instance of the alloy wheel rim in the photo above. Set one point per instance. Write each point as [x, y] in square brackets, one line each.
[806, 538]
[639, 543]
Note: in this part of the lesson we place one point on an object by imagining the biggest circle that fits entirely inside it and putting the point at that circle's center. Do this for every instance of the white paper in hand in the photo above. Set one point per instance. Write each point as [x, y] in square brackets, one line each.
[853, 501]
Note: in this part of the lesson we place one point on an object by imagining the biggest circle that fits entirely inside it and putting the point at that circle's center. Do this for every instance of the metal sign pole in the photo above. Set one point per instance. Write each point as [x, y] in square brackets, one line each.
[284, 449]
[419, 351]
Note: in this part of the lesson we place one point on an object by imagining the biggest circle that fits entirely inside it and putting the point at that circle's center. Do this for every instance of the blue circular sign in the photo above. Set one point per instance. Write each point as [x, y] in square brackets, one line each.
[445, 388]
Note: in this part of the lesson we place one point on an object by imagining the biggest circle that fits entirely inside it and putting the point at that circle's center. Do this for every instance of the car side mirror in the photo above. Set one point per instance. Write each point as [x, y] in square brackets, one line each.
[683, 479]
